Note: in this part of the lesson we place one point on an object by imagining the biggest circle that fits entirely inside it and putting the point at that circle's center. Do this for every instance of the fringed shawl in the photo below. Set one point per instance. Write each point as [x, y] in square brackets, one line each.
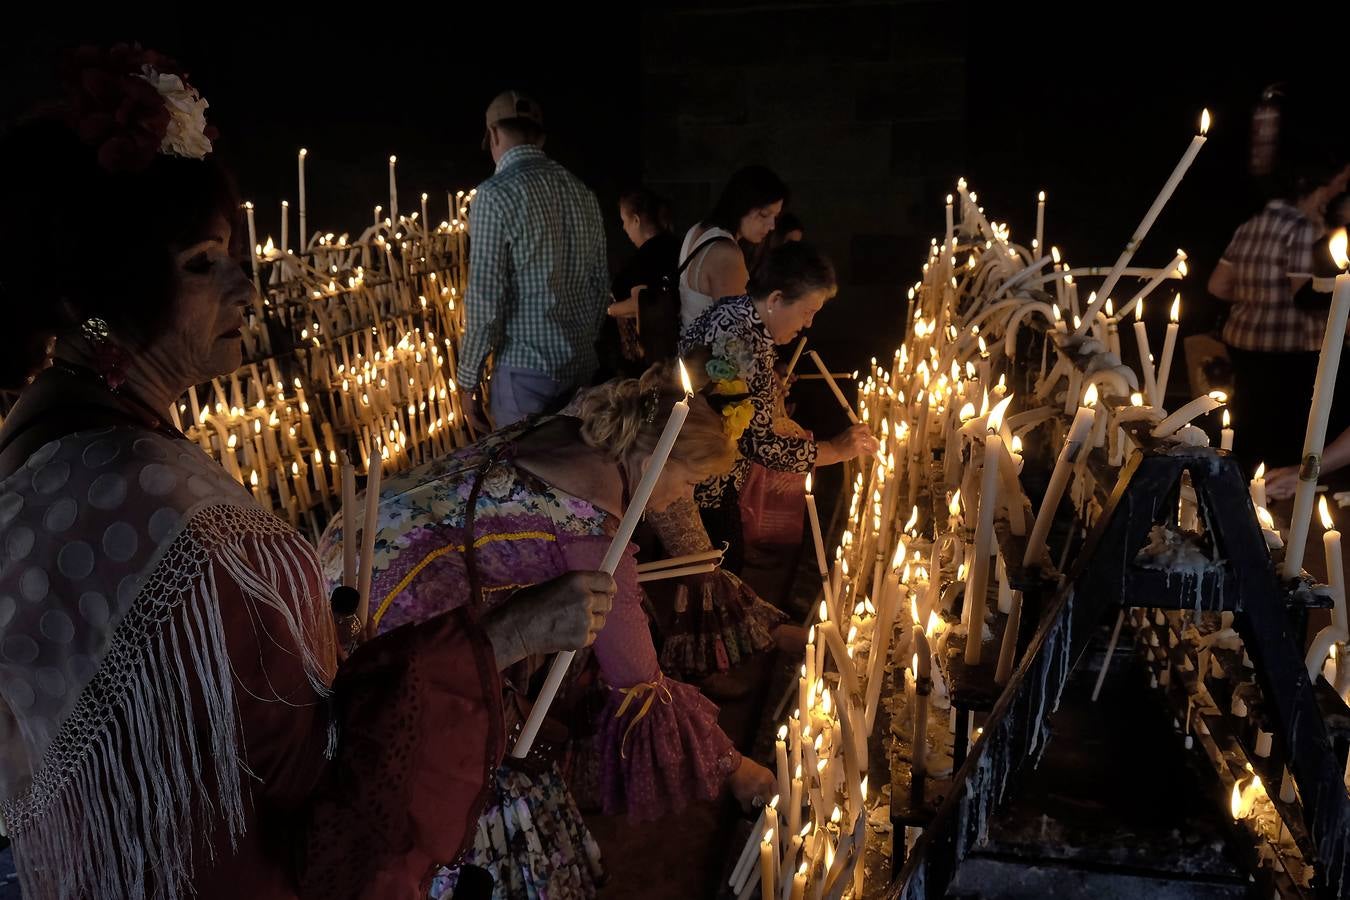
[120, 741]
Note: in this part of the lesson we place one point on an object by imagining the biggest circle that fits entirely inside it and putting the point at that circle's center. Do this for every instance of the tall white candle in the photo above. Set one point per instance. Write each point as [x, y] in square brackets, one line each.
[372, 508]
[393, 192]
[814, 515]
[1258, 487]
[947, 248]
[1139, 233]
[1040, 220]
[1177, 267]
[1169, 347]
[834, 388]
[781, 763]
[252, 241]
[1145, 356]
[1059, 479]
[304, 225]
[1183, 417]
[617, 547]
[1320, 411]
[977, 584]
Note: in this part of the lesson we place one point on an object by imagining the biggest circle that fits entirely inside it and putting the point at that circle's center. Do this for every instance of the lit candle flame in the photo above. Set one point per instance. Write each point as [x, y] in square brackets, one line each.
[1017, 444]
[1204, 121]
[1265, 518]
[824, 612]
[1261, 471]
[996, 414]
[1136, 399]
[253, 478]
[684, 380]
[914, 664]
[1324, 512]
[1338, 248]
[1176, 309]
[1235, 802]
[782, 732]
[954, 507]
[1218, 396]
[913, 518]
[1090, 397]
[1227, 420]
[967, 412]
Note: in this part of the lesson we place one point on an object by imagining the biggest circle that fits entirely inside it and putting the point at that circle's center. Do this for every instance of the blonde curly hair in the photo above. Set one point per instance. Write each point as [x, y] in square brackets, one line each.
[627, 415]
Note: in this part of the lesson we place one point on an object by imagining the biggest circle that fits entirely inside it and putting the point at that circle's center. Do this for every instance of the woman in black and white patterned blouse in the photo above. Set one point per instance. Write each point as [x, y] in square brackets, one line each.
[741, 333]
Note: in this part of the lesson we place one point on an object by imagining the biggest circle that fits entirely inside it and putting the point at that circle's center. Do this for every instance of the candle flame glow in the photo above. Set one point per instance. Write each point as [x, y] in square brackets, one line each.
[967, 412]
[1261, 471]
[1204, 121]
[1235, 802]
[1017, 444]
[1090, 397]
[782, 732]
[824, 612]
[1338, 248]
[684, 380]
[933, 623]
[1324, 512]
[1227, 420]
[913, 518]
[996, 414]
[954, 507]
[1265, 518]
[1175, 315]
[1136, 399]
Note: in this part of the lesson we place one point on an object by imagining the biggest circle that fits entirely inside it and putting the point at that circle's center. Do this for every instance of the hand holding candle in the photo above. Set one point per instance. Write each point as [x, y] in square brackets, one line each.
[617, 547]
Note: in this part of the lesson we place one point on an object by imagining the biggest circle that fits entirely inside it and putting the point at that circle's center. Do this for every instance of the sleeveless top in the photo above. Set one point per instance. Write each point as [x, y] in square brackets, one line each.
[693, 303]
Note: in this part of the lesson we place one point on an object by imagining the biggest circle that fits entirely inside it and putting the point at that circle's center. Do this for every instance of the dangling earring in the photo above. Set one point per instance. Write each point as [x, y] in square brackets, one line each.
[108, 358]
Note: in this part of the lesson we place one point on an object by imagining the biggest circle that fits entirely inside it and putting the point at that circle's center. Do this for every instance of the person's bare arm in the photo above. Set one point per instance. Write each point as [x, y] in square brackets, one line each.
[723, 273]
[1222, 281]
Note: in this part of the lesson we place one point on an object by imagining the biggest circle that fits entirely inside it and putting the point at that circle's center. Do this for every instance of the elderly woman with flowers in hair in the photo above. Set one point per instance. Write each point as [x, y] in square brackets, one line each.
[174, 720]
[737, 336]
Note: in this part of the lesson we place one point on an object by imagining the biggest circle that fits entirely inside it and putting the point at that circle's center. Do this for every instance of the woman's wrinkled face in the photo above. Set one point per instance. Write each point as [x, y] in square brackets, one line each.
[202, 340]
[786, 320]
[756, 224]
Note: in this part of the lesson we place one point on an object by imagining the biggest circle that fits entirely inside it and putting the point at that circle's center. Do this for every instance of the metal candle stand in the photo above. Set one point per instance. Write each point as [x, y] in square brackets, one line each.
[1061, 614]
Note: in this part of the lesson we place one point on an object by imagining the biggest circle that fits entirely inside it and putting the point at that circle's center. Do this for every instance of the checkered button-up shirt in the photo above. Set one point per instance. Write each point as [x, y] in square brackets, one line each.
[1268, 250]
[538, 273]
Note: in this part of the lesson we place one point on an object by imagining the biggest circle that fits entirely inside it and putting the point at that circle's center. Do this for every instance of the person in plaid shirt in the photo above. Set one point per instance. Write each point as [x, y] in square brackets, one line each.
[538, 272]
[1273, 344]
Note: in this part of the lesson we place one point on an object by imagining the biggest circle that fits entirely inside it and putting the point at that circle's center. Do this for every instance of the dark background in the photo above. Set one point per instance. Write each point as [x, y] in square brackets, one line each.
[869, 110]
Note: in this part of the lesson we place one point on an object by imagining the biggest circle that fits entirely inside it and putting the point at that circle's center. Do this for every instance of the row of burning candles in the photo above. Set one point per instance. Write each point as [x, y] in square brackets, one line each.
[937, 418]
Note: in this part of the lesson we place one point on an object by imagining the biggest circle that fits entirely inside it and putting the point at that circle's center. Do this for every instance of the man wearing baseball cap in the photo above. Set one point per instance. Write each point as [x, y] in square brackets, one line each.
[538, 273]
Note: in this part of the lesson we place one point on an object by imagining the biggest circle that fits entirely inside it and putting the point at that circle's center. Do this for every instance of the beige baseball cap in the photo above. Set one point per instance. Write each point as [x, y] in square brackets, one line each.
[512, 105]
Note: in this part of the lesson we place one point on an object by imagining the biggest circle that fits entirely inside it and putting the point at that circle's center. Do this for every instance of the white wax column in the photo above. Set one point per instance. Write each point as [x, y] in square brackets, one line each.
[781, 763]
[1169, 348]
[796, 355]
[1040, 221]
[1059, 479]
[1315, 437]
[285, 226]
[1177, 265]
[838, 650]
[1183, 417]
[848, 739]
[372, 509]
[1145, 357]
[393, 193]
[617, 547]
[1007, 654]
[893, 597]
[1257, 487]
[1331, 545]
[252, 243]
[814, 515]
[834, 388]
[304, 227]
[1139, 233]
[947, 240]
[978, 583]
